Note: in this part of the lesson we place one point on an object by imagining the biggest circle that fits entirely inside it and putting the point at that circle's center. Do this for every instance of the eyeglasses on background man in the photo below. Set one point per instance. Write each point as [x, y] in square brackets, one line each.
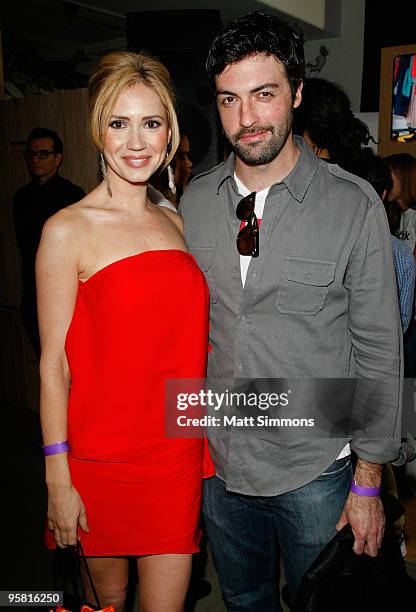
[41, 154]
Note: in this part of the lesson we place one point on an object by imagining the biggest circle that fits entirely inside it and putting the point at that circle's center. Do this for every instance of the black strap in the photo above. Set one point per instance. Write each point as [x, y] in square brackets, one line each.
[87, 569]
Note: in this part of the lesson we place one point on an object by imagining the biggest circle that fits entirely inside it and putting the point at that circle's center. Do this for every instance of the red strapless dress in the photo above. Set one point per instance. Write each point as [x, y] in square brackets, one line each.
[137, 322]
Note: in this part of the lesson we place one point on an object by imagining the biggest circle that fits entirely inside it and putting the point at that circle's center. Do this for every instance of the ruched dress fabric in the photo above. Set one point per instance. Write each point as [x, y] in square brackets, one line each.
[137, 323]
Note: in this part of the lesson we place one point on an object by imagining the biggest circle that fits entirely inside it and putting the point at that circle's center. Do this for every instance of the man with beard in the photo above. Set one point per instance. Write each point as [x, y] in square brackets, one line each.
[307, 292]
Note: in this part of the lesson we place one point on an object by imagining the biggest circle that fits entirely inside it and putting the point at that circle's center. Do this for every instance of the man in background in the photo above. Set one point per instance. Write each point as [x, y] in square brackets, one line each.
[375, 170]
[33, 204]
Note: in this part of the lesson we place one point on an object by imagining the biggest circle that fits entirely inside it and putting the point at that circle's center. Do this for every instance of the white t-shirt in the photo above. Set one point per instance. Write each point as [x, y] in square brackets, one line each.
[245, 259]
[158, 198]
[407, 230]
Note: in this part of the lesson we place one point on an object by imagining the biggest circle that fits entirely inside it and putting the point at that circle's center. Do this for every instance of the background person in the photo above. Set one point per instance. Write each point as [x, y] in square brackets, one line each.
[404, 264]
[104, 268]
[172, 188]
[403, 174]
[182, 166]
[375, 170]
[328, 125]
[33, 204]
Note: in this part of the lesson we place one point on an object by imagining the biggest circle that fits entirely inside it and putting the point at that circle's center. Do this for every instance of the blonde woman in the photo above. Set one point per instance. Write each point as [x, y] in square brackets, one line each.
[105, 268]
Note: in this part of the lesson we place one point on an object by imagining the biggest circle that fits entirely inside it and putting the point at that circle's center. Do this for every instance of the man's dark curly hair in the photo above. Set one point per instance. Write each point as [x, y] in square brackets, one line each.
[325, 114]
[256, 33]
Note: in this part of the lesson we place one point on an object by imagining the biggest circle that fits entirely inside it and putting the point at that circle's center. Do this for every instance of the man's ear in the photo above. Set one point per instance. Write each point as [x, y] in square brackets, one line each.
[58, 159]
[298, 95]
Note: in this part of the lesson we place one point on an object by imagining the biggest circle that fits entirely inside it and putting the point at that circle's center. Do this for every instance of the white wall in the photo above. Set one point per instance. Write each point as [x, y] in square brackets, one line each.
[310, 11]
[371, 119]
[344, 64]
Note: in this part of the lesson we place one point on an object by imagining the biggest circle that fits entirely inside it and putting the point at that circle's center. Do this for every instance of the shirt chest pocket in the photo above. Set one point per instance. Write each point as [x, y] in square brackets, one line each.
[205, 259]
[305, 285]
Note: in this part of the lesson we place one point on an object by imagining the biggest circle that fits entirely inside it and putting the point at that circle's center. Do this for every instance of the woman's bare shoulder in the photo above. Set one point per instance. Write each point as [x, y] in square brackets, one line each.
[174, 217]
[75, 218]
[90, 202]
[61, 223]
[67, 227]
[59, 242]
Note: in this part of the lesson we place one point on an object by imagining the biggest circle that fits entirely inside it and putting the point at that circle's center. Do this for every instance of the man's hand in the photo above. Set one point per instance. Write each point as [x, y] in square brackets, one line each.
[366, 517]
[365, 514]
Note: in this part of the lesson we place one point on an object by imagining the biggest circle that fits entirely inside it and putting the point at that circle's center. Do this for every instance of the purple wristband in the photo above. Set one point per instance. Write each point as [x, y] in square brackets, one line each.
[55, 449]
[364, 491]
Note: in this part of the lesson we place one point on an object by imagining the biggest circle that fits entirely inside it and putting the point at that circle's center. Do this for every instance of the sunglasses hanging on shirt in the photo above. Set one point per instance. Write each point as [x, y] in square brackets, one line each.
[248, 236]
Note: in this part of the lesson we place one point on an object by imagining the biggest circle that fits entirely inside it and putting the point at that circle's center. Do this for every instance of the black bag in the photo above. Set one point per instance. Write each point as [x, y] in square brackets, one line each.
[341, 581]
[68, 578]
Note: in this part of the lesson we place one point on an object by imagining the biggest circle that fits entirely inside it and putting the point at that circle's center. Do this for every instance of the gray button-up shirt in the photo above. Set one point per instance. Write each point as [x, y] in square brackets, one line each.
[320, 301]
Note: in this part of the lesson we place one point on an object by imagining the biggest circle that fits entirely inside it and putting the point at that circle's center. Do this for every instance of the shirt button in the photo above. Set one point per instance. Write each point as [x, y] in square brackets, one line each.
[241, 366]
[235, 269]
[308, 275]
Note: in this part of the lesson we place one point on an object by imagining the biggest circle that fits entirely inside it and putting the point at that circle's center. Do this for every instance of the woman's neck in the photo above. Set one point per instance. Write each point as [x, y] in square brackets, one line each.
[125, 194]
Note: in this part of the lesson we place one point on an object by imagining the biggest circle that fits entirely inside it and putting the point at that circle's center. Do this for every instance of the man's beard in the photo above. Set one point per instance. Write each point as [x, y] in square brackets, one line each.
[259, 153]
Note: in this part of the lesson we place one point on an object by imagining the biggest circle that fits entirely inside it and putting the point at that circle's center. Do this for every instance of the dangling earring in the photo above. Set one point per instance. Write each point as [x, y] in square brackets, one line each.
[171, 180]
[103, 168]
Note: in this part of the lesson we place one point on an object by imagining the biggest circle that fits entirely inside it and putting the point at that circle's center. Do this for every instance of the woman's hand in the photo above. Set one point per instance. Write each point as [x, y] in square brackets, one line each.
[65, 512]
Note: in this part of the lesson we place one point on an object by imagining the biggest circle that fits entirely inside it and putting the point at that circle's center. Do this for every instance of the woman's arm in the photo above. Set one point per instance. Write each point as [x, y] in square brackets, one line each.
[57, 286]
